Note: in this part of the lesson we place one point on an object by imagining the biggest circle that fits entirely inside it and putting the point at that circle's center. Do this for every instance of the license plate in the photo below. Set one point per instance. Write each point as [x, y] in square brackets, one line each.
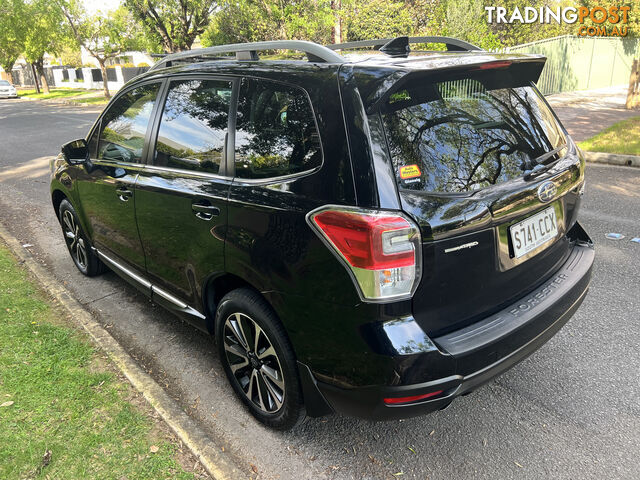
[533, 232]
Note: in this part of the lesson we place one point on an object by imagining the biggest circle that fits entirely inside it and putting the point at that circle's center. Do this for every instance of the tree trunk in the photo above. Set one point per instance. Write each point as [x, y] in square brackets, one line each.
[105, 82]
[35, 78]
[336, 6]
[43, 77]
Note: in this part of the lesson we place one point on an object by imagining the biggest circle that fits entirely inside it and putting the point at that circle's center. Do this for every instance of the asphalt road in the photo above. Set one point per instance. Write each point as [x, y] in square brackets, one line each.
[569, 411]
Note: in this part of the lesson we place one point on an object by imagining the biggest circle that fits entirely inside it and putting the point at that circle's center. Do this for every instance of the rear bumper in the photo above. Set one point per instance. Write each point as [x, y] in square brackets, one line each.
[480, 351]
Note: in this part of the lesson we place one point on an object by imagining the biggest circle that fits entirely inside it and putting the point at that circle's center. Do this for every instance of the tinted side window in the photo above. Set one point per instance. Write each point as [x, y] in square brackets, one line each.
[275, 131]
[125, 124]
[194, 125]
[93, 142]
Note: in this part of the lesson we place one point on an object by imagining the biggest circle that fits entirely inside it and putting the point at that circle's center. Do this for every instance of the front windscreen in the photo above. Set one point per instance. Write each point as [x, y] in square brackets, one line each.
[468, 133]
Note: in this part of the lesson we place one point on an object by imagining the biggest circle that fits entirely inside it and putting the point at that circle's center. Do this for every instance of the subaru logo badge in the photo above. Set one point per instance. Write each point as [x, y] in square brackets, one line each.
[547, 191]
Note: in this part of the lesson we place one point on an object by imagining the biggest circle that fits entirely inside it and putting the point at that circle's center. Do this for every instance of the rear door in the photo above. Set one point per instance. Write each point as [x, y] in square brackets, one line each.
[181, 196]
[106, 185]
[277, 149]
[490, 176]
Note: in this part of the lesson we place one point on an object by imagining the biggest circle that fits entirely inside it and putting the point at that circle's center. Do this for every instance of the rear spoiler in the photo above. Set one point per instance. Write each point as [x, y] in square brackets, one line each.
[521, 68]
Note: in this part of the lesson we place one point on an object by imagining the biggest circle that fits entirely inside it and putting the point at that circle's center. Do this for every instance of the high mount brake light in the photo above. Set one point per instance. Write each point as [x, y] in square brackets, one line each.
[380, 249]
[493, 65]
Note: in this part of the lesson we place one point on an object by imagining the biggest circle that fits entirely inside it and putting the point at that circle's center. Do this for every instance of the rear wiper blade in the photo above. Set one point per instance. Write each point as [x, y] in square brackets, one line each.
[489, 125]
[537, 166]
[539, 160]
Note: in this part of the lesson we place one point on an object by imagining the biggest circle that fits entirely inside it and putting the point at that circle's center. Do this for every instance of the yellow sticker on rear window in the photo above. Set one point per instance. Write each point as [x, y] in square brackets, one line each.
[409, 171]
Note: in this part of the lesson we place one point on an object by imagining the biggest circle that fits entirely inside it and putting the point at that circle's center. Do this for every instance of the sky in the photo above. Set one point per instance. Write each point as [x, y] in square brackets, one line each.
[93, 6]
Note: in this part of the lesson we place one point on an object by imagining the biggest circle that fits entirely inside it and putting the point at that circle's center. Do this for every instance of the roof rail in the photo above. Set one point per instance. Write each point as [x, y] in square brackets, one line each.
[248, 51]
[399, 46]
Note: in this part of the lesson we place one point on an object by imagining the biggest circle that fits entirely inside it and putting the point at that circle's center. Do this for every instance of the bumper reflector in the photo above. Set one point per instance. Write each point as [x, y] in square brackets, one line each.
[412, 399]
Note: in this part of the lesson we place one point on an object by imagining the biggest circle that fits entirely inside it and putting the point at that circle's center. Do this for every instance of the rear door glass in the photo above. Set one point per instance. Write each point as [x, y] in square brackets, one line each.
[194, 125]
[463, 135]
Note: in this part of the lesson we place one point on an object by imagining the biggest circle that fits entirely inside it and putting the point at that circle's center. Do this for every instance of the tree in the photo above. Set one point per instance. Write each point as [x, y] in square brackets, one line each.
[466, 20]
[378, 19]
[32, 28]
[70, 56]
[516, 33]
[11, 32]
[44, 33]
[104, 36]
[259, 20]
[175, 24]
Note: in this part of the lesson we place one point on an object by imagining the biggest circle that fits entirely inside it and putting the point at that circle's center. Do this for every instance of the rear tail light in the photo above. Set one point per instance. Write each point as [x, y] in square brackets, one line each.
[381, 250]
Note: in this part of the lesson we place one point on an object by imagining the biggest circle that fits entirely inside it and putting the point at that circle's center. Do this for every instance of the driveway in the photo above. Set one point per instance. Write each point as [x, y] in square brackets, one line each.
[587, 112]
[569, 411]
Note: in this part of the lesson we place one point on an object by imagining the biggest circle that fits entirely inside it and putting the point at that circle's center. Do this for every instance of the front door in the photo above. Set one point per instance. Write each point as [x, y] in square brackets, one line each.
[106, 184]
[181, 196]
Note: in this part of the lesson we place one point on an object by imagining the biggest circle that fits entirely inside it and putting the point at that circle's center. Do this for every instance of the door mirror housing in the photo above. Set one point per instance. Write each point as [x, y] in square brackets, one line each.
[76, 152]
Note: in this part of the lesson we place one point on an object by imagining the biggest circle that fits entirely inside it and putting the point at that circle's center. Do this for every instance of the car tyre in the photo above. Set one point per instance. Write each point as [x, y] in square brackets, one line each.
[258, 359]
[77, 243]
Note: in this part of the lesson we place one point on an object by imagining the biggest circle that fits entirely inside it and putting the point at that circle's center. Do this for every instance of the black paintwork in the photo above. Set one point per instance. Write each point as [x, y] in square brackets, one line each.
[148, 219]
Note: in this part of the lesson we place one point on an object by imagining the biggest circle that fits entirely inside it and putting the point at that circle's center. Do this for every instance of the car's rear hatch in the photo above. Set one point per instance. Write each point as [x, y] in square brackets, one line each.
[478, 154]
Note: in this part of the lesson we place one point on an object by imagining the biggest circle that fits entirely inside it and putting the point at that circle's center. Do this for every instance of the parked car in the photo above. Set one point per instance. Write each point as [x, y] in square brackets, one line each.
[7, 90]
[373, 233]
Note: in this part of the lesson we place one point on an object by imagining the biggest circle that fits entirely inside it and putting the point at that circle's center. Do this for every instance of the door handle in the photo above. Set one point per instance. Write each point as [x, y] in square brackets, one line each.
[205, 211]
[124, 193]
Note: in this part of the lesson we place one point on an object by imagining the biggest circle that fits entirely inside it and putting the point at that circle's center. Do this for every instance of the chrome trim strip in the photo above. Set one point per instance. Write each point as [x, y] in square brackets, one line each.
[168, 297]
[145, 283]
[280, 179]
[236, 180]
[194, 173]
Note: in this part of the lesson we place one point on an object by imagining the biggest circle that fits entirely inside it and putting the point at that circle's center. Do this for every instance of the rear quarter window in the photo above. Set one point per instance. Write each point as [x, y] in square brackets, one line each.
[276, 133]
[463, 135]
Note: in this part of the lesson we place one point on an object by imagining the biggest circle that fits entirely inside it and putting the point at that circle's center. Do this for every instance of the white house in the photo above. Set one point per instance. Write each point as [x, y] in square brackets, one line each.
[136, 58]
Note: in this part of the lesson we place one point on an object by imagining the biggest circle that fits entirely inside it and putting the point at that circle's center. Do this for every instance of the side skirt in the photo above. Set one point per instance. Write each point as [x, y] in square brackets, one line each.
[158, 295]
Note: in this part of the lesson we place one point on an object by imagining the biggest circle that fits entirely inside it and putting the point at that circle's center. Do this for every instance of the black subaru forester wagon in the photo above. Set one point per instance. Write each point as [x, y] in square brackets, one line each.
[373, 233]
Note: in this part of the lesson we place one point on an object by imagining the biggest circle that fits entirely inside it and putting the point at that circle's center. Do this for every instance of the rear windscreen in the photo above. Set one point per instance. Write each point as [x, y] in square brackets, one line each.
[465, 134]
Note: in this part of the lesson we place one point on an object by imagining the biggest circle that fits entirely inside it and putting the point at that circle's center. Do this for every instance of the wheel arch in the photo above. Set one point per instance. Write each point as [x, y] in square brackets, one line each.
[57, 196]
[217, 286]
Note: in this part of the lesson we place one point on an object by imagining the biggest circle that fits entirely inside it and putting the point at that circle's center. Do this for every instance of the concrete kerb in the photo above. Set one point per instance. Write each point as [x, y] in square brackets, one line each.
[217, 464]
[613, 159]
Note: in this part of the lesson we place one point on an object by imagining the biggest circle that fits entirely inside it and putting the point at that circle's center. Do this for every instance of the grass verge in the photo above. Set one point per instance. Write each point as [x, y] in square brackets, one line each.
[94, 97]
[622, 137]
[63, 412]
[53, 93]
[93, 100]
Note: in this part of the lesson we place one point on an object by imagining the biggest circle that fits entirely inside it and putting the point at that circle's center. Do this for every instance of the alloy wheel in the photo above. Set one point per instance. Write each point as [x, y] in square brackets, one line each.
[75, 243]
[254, 362]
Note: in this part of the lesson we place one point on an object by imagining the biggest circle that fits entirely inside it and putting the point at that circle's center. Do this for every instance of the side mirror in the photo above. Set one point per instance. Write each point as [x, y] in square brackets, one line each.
[76, 151]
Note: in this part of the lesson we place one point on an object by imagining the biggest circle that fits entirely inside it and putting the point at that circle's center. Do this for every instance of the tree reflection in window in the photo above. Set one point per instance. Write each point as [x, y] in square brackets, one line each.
[193, 126]
[124, 126]
[464, 137]
[275, 131]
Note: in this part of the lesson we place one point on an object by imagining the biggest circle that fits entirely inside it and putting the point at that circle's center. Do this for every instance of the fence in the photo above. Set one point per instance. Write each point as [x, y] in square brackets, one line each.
[87, 78]
[577, 63]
